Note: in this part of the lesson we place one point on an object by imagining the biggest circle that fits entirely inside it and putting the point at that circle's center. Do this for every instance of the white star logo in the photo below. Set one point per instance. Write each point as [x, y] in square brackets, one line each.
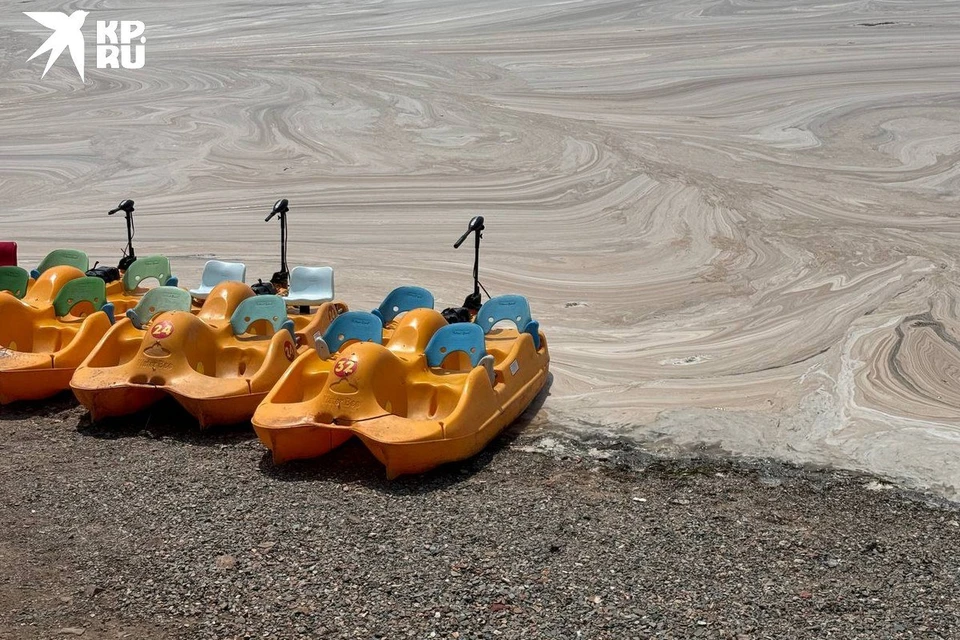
[66, 34]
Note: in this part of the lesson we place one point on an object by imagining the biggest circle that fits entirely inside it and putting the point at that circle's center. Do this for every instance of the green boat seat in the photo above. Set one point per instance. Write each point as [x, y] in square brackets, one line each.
[86, 289]
[14, 280]
[62, 258]
[270, 308]
[151, 267]
[155, 302]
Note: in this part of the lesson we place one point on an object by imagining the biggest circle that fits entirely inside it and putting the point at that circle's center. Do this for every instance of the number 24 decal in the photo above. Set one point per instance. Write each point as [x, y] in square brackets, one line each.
[162, 330]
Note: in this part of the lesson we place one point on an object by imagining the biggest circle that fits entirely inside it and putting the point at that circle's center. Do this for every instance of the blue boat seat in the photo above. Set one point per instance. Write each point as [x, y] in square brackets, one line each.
[401, 300]
[514, 308]
[464, 337]
[349, 327]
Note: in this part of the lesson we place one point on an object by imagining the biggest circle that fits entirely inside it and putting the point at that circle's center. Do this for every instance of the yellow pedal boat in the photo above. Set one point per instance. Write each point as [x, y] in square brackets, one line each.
[45, 336]
[218, 364]
[430, 393]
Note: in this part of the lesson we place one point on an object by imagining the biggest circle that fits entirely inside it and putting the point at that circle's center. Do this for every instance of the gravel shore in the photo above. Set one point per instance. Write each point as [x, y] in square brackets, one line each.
[149, 529]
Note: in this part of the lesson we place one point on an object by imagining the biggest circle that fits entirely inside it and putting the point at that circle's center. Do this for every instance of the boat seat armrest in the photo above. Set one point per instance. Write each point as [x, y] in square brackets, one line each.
[321, 346]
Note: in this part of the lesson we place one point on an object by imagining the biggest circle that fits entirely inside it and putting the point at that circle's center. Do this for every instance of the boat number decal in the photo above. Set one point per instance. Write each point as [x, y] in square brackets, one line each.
[161, 330]
[514, 367]
[289, 351]
[345, 367]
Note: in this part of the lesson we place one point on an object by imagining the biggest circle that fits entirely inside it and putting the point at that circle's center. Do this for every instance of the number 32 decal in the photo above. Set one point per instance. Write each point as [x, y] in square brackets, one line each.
[345, 367]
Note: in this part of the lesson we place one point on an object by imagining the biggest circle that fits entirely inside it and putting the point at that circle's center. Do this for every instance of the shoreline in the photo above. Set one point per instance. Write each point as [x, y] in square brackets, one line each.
[609, 449]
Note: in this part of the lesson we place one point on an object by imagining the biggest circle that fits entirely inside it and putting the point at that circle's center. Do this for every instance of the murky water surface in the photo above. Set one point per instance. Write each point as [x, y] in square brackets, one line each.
[736, 221]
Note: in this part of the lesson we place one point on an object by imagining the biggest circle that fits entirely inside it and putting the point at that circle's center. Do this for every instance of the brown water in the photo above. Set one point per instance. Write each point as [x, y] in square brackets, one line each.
[737, 221]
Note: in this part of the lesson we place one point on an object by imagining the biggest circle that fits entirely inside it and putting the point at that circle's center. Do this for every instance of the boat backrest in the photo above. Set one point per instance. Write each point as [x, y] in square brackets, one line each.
[63, 258]
[353, 326]
[86, 289]
[14, 280]
[150, 267]
[217, 271]
[401, 300]
[223, 300]
[155, 302]
[46, 287]
[311, 284]
[8, 254]
[462, 336]
[270, 308]
[514, 308]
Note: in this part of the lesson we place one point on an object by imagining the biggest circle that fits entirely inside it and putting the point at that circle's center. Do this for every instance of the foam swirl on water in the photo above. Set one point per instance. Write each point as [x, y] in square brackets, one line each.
[736, 222]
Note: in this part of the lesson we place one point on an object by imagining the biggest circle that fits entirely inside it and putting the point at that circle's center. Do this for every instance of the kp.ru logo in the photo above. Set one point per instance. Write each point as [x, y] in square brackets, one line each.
[114, 50]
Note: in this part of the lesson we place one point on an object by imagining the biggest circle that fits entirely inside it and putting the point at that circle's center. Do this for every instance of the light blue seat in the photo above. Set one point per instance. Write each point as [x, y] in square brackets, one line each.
[463, 336]
[155, 302]
[514, 308]
[215, 272]
[352, 325]
[401, 300]
[310, 286]
[269, 308]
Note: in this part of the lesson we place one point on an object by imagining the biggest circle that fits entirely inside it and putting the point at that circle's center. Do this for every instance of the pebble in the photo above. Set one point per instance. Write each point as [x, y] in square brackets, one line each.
[222, 544]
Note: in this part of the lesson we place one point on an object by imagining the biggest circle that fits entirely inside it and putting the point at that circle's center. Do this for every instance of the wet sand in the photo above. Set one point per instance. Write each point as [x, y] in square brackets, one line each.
[735, 221]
